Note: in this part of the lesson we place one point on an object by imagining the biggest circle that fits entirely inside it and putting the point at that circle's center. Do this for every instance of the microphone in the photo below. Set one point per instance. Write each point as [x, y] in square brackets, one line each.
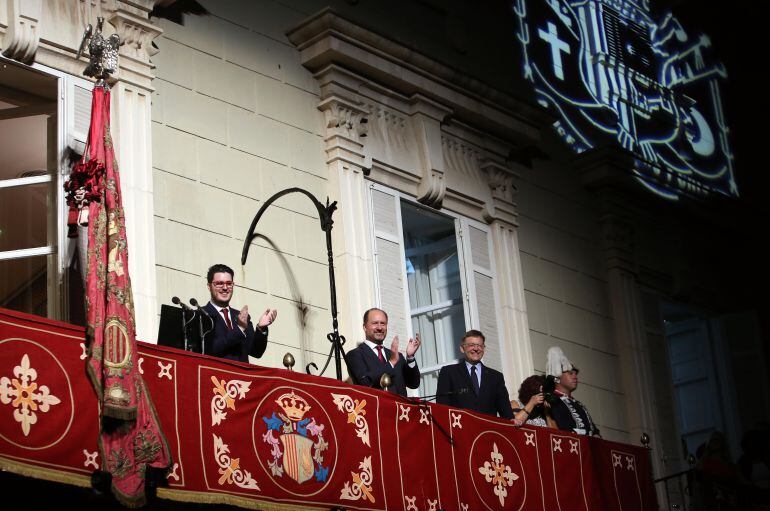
[195, 304]
[458, 392]
[176, 301]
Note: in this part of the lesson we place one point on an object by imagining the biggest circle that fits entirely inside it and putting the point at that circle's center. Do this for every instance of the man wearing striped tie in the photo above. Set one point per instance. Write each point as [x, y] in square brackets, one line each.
[233, 336]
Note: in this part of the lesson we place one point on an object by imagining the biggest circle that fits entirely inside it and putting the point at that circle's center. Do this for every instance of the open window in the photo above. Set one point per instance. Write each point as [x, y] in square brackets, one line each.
[44, 117]
[434, 275]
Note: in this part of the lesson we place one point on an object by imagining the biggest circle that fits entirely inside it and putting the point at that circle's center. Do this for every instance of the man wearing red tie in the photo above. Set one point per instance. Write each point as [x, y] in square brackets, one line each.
[233, 336]
[370, 360]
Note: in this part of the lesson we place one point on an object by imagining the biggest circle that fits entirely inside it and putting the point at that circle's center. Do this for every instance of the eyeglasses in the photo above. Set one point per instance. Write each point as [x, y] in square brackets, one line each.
[469, 345]
[219, 284]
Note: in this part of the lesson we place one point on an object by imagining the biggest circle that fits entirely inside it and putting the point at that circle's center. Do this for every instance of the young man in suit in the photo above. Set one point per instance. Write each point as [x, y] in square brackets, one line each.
[233, 335]
[470, 384]
[370, 360]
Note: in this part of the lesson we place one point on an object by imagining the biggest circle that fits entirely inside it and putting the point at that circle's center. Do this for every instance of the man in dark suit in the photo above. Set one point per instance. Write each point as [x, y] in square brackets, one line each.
[470, 384]
[370, 360]
[233, 335]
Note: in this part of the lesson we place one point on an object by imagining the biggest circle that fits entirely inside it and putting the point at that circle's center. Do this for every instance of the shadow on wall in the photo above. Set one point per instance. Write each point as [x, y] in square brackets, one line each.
[301, 309]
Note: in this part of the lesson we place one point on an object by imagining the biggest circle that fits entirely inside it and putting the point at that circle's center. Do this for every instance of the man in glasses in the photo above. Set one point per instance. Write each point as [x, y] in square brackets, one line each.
[233, 337]
[470, 384]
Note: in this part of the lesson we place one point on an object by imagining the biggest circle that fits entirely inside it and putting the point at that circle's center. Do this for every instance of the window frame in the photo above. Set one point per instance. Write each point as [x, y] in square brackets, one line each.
[59, 249]
[465, 261]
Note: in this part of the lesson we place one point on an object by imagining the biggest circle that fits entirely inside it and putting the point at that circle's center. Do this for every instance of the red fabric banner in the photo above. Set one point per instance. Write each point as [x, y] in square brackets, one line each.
[130, 437]
[273, 439]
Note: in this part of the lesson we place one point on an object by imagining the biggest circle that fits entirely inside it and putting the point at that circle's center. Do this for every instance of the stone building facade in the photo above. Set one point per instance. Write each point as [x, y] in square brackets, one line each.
[457, 206]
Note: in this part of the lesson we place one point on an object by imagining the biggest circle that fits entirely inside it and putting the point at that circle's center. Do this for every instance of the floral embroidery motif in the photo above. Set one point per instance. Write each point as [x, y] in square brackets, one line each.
[499, 474]
[356, 413]
[224, 397]
[24, 395]
[230, 468]
[361, 487]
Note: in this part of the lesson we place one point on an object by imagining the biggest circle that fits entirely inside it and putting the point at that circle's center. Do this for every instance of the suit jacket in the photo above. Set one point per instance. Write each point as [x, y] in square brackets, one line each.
[366, 369]
[233, 344]
[572, 415]
[455, 389]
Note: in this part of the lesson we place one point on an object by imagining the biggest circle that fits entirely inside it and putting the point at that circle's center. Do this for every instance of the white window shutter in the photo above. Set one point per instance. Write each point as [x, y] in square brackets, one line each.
[484, 310]
[388, 248]
[78, 112]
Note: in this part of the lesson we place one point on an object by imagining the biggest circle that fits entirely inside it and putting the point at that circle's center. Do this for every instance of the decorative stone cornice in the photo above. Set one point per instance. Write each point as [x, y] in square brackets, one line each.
[427, 116]
[23, 35]
[607, 167]
[50, 33]
[388, 126]
[326, 39]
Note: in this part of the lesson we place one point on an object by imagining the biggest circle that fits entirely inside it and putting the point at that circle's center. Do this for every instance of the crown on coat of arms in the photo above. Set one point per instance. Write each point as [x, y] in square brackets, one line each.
[293, 405]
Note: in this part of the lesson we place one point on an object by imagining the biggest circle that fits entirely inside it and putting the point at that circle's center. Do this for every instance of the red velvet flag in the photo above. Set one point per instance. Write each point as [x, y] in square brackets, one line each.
[130, 437]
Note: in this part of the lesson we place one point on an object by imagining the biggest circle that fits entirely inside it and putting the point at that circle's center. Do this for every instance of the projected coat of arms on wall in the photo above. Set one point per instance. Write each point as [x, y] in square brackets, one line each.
[614, 75]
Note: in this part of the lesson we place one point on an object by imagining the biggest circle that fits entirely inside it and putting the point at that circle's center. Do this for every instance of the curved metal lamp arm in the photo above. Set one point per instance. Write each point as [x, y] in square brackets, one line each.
[325, 217]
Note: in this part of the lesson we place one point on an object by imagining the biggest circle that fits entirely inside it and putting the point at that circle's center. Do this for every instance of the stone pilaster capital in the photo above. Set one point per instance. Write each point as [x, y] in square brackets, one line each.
[344, 118]
[136, 31]
[502, 185]
[618, 243]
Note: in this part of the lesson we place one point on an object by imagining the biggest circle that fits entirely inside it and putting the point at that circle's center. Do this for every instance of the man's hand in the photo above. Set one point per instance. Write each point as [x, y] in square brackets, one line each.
[243, 317]
[267, 318]
[394, 352]
[413, 346]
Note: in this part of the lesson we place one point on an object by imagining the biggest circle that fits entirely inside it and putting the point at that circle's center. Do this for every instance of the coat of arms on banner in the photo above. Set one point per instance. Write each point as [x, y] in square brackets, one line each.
[296, 440]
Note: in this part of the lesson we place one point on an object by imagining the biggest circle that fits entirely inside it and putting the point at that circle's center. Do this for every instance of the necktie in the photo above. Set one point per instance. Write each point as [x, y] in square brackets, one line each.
[379, 354]
[474, 380]
[226, 314]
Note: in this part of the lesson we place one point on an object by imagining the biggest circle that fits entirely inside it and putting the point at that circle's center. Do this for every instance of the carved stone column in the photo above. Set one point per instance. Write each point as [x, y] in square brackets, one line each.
[22, 35]
[500, 211]
[346, 130]
[132, 132]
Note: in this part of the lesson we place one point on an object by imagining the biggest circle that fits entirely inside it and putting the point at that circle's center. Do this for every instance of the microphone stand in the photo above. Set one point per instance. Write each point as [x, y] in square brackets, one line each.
[184, 328]
[199, 310]
[325, 216]
[201, 333]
